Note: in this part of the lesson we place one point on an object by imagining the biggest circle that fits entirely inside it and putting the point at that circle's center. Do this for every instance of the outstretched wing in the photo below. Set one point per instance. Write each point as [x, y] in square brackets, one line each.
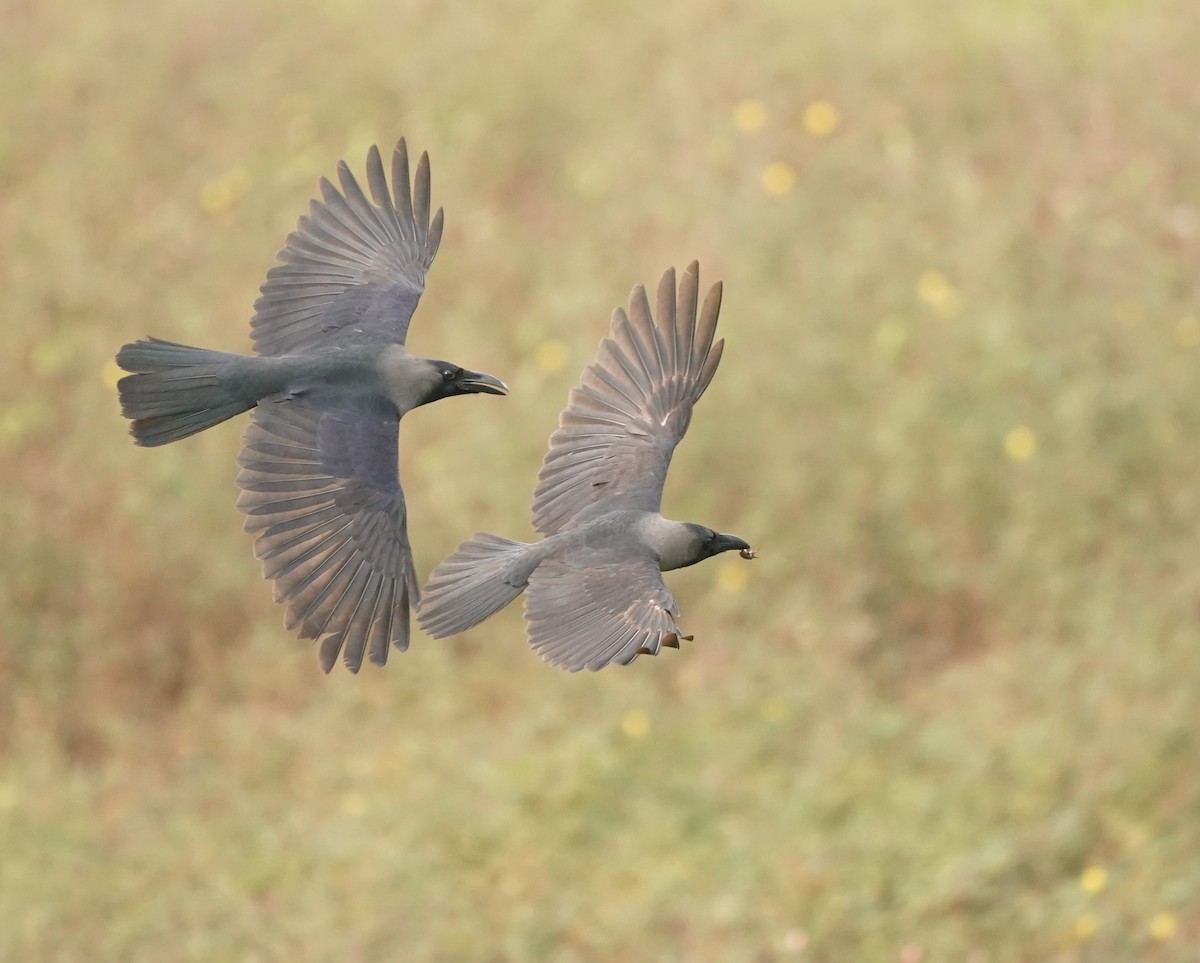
[352, 271]
[585, 613]
[632, 406]
[321, 490]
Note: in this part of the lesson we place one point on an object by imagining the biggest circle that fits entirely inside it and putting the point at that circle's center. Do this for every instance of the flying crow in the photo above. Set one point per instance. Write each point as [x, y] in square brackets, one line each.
[594, 588]
[319, 475]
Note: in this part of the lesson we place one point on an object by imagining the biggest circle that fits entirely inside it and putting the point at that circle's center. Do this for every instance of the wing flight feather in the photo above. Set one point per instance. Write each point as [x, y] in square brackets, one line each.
[353, 270]
[632, 406]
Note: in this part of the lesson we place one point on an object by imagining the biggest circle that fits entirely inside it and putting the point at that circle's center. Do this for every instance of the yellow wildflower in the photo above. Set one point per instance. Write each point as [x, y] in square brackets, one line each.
[821, 118]
[749, 115]
[1093, 879]
[937, 291]
[778, 178]
[1163, 926]
[635, 724]
[1020, 444]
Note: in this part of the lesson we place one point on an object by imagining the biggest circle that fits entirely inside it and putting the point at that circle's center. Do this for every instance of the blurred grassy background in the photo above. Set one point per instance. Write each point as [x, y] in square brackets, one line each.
[952, 712]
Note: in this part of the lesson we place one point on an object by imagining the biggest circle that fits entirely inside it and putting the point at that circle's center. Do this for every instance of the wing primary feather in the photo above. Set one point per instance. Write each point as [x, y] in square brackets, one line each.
[322, 614]
[636, 373]
[381, 628]
[340, 220]
[325, 578]
[317, 243]
[709, 369]
[664, 330]
[614, 383]
[706, 327]
[401, 186]
[637, 331]
[685, 319]
[410, 598]
[421, 193]
[434, 240]
[357, 201]
[358, 625]
[378, 185]
[594, 391]
[639, 306]
[331, 645]
[306, 552]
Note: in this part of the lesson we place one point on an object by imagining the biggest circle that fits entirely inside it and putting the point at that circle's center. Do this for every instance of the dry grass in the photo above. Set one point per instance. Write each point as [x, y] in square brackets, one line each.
[958, 414]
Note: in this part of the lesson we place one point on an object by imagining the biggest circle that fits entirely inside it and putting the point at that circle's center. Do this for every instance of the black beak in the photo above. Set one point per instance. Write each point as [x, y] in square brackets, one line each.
[476, 382]
[727, 543]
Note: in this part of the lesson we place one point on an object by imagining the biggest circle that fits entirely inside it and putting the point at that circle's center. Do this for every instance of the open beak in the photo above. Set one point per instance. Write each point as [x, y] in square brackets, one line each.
[728, 543]
[476, 382]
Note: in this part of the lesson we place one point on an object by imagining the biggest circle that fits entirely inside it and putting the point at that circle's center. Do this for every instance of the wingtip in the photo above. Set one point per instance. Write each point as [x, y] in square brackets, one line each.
[639, 305]
[712, 301]
[422, 173]
[328, 191]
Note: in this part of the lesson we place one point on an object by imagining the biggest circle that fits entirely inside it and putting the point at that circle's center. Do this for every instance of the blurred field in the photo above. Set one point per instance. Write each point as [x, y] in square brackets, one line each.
[951, 714]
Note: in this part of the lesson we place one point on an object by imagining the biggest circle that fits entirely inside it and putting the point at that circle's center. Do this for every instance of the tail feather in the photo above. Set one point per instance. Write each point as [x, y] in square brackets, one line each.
[175, 390]
[484, 574]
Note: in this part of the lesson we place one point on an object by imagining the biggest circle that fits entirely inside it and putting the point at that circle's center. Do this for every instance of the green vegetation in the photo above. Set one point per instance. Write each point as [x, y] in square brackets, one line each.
[949, 716]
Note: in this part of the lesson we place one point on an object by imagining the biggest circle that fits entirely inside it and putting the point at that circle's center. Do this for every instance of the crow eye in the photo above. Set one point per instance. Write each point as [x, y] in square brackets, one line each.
[449, 374]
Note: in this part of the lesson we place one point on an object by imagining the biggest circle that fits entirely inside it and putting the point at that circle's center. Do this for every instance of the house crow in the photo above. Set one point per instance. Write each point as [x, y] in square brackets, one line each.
[319, 478]
[594, 588]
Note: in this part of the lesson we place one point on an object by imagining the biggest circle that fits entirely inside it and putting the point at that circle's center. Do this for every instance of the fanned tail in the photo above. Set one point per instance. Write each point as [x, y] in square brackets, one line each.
[175, 390]
[484, 574]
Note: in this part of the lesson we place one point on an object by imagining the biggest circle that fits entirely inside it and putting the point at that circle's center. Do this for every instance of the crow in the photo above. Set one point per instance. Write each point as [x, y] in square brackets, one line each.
[594, 588]
[319, 478]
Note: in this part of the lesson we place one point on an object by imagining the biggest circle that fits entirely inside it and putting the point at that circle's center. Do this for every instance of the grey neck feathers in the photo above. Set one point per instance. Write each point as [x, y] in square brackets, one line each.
[406, 379]
[676, 544]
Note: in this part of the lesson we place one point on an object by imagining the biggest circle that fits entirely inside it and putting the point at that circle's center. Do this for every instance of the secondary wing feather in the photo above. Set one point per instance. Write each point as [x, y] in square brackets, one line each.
[321, 491]
[584, 612]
